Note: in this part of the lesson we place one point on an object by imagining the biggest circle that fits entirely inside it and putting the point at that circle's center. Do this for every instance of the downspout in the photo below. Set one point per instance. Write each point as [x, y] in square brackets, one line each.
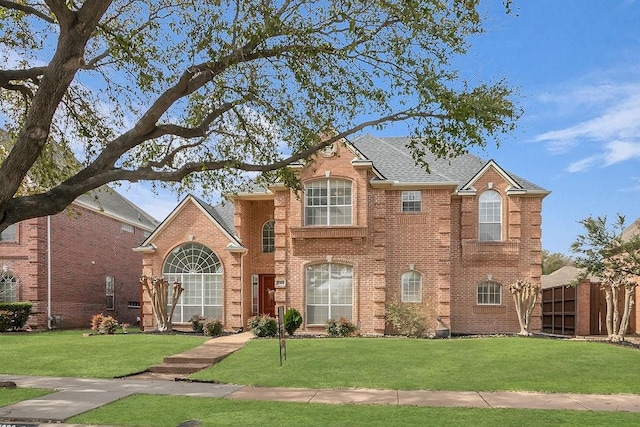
[49, 317]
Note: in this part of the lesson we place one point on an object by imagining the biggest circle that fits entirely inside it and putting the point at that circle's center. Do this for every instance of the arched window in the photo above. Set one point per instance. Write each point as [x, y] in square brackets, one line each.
[411, 287]
[329, 292]
[200, 272]
[490, 216]
[269, 237]
[327, 202]
[8, 286]
[489, 293]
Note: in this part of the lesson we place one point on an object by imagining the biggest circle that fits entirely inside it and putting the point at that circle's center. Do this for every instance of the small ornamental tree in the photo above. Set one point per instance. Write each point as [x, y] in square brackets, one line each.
[611, 253]
[158, 291]
[525, 296]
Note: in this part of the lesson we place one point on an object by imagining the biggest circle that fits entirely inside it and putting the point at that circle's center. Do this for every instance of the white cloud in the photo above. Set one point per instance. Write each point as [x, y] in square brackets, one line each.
[606, 124]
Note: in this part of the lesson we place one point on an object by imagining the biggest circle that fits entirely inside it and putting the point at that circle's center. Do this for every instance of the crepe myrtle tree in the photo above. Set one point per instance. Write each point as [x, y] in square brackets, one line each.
[612, 254]
[157, 289]
[525, 295]
[186, 93]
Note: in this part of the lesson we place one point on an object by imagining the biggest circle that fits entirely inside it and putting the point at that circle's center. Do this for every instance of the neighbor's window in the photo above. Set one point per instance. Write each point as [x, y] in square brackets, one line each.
[127, 227]
[329, 292]
[269, 237]
[411, 287]
[411, 201]
[328, 202]
[110, 291]
[199, 271]
[8, 287]
[9, 234]
[490, 216]
[489, 293]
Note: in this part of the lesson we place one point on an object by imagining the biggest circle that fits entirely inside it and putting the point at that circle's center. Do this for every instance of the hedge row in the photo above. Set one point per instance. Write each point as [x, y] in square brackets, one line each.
[14, 315]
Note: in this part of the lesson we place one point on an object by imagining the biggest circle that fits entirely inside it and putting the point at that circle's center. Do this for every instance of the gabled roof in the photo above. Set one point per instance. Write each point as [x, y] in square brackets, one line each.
[393, 161]
[107, 201]
[220, 215]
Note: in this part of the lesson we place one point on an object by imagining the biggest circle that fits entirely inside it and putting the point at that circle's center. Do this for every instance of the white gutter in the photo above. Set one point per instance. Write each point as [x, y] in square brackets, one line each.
[49, 318]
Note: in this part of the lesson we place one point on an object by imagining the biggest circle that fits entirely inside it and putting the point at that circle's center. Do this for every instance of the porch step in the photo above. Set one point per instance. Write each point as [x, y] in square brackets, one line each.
[183, 368]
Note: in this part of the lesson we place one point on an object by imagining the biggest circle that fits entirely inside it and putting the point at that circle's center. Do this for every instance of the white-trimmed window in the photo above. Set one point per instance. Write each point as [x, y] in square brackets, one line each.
[127, 227]
[490, 216]
[9, 234]
[411, 201]
[200, 272]
[329, 292]
[269, 237]
[110, 292]
[8, 286]
[327, 202]
[489, 293]
[411, 287]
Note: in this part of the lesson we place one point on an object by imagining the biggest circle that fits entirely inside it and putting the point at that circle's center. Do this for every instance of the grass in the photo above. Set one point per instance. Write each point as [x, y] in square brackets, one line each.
[9, 396]
[170, 411]
[490, 364]
[70, 354]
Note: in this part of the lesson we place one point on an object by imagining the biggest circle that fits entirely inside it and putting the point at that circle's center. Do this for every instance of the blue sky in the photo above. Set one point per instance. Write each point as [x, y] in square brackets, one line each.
[577, 66]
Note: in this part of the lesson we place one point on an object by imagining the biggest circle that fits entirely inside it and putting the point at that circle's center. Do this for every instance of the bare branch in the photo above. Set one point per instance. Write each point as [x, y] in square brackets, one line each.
[26, 9]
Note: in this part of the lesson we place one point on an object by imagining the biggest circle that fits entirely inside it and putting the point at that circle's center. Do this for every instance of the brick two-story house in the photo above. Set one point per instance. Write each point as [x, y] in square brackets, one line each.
[77, 263]
[368, 228]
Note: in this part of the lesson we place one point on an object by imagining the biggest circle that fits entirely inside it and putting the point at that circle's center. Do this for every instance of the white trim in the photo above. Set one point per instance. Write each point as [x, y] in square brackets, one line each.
[491, 164]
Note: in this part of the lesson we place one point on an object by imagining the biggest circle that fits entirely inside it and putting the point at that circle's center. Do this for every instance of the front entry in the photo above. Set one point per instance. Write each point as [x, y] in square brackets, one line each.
[267, 296]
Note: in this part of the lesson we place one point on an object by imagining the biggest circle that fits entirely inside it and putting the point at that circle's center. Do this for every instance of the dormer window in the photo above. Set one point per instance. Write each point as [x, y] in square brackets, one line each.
[328, 202]
[490, 216]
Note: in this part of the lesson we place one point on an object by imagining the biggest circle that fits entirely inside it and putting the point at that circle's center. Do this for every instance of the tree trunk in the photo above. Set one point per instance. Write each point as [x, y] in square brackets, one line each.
[158, 291]
[629, 298]
[609, 320]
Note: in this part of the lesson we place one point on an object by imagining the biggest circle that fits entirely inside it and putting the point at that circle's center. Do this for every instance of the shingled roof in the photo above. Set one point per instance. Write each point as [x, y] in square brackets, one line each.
[393, 161]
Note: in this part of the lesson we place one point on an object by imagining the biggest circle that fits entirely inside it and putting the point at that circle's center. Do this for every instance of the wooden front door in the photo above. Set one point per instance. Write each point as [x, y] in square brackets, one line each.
[267, 297]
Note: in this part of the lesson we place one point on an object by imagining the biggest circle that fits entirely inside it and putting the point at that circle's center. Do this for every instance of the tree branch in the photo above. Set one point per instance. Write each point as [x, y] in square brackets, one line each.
[29, 10]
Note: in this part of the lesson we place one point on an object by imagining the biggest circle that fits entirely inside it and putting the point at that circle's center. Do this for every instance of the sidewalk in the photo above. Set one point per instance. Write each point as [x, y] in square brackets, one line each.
[73, 396]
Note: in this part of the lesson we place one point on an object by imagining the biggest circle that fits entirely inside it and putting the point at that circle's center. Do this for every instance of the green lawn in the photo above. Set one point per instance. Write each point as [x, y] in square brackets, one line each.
[70, 354]
[482, 364]
[170, 411]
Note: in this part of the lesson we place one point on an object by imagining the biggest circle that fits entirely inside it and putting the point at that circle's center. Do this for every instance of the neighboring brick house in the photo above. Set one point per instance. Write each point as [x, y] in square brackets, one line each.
[77, 263]
[369, 227]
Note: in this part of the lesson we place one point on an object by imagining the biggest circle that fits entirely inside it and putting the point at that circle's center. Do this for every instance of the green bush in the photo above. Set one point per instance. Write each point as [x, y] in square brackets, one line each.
[292, 320]
[341, 328]
[212, 327]
[14, 315]
[197, 323]
[406, 319]
[263, 326]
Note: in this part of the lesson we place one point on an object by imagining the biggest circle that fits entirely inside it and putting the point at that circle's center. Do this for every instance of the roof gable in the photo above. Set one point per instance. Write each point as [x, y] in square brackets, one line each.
[221, 218]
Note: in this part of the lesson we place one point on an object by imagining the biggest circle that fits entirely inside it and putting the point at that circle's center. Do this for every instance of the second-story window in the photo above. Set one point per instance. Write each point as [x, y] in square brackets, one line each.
[269, 237]
[327, 202]
[411, 201]
[490, 216]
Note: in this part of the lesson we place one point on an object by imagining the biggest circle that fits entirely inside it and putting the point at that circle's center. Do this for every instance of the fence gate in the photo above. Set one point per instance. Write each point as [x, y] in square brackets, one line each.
[559, 310]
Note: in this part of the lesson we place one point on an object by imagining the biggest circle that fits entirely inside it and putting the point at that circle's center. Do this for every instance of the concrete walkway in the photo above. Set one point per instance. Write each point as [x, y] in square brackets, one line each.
[74, 396]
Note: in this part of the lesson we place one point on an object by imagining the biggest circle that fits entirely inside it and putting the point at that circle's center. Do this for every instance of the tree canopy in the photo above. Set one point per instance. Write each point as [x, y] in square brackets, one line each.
[554, 261]
[187, 92]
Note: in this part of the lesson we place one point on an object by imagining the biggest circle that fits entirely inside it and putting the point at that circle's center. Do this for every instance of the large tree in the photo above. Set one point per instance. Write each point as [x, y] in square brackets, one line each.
[554, 261]
[612, 254]
[199, 92]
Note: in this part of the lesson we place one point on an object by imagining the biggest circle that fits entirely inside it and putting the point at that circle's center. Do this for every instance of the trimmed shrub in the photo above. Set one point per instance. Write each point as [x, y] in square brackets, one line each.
[263, 326]
[14, 315]
[292, 320]
[96, 321]
[406, 319]
[341, 328]
[108, 326]
[212, 327]
[197, 323]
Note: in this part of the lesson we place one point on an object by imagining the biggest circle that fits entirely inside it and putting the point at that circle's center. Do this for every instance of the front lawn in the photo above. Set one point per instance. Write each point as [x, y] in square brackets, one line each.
[478, 364]
[9, 396]
[70, 354]
[170, 411]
